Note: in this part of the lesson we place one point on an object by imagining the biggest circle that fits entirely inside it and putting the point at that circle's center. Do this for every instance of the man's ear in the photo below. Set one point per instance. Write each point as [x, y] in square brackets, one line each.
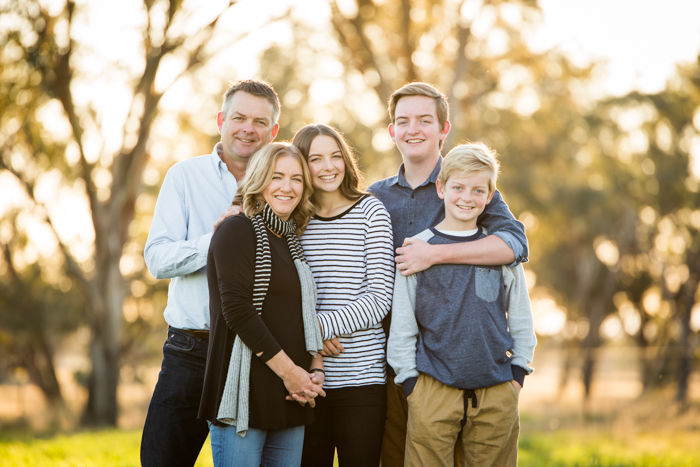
[219, 120]
[439, 188]
[445, 130]
[273, 133]
[391, 132]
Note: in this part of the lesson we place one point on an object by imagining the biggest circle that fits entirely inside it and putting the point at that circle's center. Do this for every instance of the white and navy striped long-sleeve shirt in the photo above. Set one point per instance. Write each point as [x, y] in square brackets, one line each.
[351, 258]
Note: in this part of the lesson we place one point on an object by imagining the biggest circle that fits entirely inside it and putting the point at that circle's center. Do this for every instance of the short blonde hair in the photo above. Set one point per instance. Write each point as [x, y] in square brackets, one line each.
[259, 175]
[470, 157]
[442, 107]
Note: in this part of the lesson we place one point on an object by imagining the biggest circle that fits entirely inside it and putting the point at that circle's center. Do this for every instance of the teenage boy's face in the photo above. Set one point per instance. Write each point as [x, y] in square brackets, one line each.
[466, 195]
[415, 129]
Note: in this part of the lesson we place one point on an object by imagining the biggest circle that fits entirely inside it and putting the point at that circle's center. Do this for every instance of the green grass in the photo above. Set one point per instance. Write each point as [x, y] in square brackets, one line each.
[563, 448]
[111, 448]
[578, 448]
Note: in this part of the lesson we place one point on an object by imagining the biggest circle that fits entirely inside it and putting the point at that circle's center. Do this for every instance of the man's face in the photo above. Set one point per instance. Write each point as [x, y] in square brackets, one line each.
[416, 130]
[247, 127]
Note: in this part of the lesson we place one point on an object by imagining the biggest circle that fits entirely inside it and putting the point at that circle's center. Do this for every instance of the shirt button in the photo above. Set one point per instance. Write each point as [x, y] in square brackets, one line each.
[410, 223]
[413, 195]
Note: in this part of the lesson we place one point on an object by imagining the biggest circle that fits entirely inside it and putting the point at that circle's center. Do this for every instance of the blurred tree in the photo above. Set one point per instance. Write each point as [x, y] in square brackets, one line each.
[33, 314]
[656, 138]
[43, 62]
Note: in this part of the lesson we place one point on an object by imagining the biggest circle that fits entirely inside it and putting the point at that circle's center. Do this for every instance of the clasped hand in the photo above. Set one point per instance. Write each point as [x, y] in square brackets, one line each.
[303, 386]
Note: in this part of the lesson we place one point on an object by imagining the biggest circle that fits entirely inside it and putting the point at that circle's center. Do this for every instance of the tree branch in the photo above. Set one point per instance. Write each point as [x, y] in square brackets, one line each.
[460, 70]
[72, 267]
[407, 41]
[362, 52]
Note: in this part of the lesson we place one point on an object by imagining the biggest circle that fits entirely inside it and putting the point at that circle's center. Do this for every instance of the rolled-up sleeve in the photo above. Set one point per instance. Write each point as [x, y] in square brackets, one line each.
[499, 221]
[169, 252]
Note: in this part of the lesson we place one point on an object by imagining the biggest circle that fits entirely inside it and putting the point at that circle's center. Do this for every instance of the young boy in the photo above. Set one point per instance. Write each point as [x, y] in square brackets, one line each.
[462, 336]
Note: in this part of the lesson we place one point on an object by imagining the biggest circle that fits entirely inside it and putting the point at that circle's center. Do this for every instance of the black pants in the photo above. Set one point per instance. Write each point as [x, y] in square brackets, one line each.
[172, 434]
[351, 420]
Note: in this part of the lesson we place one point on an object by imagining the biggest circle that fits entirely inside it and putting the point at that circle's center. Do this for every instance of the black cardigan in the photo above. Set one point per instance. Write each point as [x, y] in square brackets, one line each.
[230, 275]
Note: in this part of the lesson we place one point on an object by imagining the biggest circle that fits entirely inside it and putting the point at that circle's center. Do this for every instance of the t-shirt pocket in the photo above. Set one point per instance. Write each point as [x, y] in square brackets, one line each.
[488, 282]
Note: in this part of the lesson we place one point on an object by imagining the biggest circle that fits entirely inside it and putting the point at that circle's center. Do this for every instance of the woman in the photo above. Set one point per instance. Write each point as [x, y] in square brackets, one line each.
[264, 335]
[348, 244]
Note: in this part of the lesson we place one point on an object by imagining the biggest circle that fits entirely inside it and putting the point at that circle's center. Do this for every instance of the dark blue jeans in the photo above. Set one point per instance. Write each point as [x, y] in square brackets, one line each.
[172, 434]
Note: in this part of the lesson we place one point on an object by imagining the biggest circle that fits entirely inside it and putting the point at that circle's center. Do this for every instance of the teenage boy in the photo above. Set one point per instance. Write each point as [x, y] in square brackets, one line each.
[419, 116]
[190, 204]
[461, 360]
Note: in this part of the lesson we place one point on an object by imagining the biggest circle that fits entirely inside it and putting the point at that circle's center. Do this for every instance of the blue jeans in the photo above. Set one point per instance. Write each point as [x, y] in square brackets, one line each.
[266, 448]
[172, 434]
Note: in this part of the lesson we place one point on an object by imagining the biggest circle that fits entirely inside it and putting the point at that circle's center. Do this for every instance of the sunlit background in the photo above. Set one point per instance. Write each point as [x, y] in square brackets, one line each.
[594, 108]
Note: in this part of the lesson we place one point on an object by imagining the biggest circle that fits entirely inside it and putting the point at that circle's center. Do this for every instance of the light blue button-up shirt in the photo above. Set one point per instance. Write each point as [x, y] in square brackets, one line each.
[194, 194]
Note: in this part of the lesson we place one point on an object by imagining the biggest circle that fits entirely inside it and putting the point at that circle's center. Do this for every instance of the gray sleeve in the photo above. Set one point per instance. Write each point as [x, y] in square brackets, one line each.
[403, 336]
[520, 324]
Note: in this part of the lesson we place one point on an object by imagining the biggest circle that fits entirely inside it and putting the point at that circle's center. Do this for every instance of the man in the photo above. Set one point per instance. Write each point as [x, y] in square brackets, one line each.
[419, 116]
[193, 197]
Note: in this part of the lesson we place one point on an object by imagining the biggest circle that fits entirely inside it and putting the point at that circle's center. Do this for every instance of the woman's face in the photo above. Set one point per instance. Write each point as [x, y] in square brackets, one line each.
[284, 191]
[326, 164]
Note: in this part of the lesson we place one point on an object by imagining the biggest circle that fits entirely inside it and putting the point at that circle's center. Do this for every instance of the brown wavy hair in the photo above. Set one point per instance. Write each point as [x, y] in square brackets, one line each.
[353, 179]
[259, 175]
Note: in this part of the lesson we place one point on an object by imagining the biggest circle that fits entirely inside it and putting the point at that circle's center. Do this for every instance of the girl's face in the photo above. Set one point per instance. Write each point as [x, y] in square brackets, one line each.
[326, 164]
[286, 188]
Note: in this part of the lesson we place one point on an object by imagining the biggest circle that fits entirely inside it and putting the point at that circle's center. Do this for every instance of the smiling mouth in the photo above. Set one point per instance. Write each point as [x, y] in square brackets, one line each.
[327, 177]
[414, 141]
[283, 198]
[465, 208]
[248, 141]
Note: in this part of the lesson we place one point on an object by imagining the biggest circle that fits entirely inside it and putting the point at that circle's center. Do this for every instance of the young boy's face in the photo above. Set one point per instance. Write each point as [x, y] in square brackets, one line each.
[416, 129]
[466, 194]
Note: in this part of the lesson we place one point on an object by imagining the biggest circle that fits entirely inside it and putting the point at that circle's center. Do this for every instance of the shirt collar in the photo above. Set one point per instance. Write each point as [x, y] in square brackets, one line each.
[400, 179]
[219, 165]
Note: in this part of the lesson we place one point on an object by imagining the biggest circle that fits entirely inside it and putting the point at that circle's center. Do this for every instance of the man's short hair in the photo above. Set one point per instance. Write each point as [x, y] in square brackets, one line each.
[257, 88]
[421, 89]
[470, 157]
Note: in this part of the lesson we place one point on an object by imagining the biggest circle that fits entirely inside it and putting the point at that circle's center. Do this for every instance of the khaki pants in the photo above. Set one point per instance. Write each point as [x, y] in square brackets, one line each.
[435, 415]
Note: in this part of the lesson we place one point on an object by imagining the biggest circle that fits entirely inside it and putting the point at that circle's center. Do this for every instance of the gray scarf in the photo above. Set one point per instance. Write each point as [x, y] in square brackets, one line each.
[234, 407]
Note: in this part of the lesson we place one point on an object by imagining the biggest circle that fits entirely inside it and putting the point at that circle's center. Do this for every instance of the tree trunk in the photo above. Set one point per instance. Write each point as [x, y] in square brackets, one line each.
[105, 348]
[687, 300]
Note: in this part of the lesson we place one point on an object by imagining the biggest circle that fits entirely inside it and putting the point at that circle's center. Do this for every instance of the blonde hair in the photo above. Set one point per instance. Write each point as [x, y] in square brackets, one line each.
[259, 175]
[352, 181]
[442, 107]
[470, 157]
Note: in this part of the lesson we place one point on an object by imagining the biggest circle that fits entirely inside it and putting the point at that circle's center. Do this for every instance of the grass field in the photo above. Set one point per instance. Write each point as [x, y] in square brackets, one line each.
[561, 448]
